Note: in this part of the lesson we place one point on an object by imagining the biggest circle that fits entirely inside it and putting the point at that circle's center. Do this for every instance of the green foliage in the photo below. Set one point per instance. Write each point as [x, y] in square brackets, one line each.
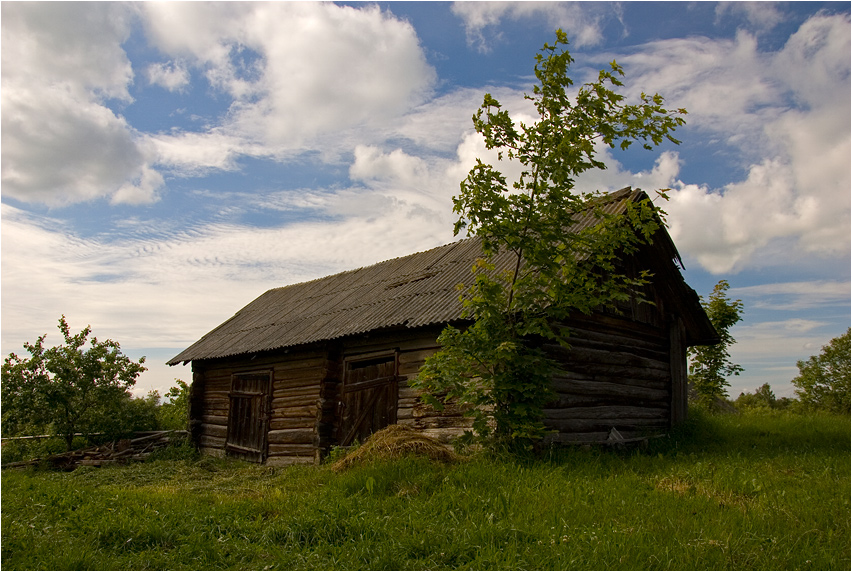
[493, 369]
[69, 389]
[762, 398]
[122, 416]
[733, 492]
[174, 412]
[823, 380]
[710, 366]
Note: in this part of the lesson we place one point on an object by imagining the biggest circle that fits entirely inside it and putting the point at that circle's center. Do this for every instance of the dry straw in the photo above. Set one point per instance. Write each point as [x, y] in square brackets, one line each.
[395, 442]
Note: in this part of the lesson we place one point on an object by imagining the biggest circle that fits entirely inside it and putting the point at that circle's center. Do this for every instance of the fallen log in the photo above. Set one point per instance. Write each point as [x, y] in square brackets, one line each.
[122, 451]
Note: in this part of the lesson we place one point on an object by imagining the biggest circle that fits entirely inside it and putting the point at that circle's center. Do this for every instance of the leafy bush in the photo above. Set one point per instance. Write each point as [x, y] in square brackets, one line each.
[710, 366]
[824, 381]
[70, 388]
[174, 412]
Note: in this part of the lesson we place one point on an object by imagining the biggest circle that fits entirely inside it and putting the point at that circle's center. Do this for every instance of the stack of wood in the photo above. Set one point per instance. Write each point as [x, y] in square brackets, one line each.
[117, 452]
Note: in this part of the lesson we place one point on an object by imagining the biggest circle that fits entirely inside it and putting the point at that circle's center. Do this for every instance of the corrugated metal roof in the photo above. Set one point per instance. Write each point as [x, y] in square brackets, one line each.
[411, 291]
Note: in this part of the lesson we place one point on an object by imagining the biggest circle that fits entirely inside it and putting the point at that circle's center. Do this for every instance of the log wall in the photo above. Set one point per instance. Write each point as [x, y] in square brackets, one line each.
[617, 374]
[295, 404]
[413, 348]
[303, 415]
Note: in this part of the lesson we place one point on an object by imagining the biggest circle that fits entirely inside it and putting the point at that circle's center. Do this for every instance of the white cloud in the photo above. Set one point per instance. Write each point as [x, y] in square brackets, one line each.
[173, 76]
[210, 270]
[763, 16]
[300, 76]
[297, 71]
[795, 296]
[61, 143]
[90, 151]
[788, 115]
[582, 22]
[62, 43]
[190, 153]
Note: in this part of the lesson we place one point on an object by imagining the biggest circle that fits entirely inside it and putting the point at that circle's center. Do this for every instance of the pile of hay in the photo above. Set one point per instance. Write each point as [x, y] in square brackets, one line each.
[395, 442]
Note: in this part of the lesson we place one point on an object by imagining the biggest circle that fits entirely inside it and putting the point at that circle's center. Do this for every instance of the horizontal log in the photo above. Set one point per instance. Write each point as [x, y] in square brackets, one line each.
[216, 413]
[223, 403]
[294, 361]
[277, 423]
[312, 388]
[604, 357]
[423, 410]
[215, 419]
[300, 377]
[217, 384]
[303, 411]
[286, 460]
[220, 395]
[297, 401]
[444, 435]
[214, 430]
[291, 449]
[567, 400]
[416, 356]
[609, 389]
[212, 451]
[292, 436]
[408, 392]
[410, 402]
[618, 371]
[410, 369]
[608, 412]
[591, 425]
[589, 337]
[404, 339]
[662, 384]
[614, 325]
[443, 422]
[215, 442]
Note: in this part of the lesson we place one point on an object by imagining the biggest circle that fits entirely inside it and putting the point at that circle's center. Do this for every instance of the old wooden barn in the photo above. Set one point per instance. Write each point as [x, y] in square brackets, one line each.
[326, 362]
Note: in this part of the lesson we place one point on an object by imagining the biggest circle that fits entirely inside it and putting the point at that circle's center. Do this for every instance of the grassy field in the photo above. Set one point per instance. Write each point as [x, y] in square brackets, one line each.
[727, 492]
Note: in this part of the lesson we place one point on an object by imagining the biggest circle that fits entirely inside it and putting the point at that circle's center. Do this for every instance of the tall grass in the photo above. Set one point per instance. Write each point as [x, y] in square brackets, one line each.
[726, 492]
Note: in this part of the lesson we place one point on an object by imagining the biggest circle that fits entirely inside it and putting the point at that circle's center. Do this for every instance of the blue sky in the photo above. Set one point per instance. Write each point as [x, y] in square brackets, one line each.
[163, 164]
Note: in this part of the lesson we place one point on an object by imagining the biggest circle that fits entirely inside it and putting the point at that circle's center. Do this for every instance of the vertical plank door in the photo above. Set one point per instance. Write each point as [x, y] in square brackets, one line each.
[368, 398]
[248, 417]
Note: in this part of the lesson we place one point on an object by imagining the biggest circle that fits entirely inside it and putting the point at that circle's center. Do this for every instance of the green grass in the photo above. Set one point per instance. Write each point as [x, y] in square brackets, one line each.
[727, 492]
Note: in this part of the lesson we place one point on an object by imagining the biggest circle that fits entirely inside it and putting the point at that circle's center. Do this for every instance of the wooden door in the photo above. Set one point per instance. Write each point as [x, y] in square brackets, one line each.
[248, 417]
[368, 399]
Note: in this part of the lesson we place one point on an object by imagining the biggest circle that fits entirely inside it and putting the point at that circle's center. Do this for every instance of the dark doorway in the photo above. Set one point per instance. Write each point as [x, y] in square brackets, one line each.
[248, 418]
[368, 398]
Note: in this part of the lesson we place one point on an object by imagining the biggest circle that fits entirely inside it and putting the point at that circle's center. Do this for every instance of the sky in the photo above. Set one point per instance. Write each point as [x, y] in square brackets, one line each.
[163, 164]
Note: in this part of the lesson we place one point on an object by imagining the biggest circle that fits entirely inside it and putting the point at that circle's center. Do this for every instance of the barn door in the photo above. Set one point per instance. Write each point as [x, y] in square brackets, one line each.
[248, 418]
[368, 398]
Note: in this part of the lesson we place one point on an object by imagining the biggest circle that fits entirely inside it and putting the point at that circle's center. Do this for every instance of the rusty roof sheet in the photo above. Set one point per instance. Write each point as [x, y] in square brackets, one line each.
[411, 291]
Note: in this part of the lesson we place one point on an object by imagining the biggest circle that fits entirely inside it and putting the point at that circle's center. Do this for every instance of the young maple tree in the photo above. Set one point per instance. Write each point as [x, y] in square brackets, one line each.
[495, 369]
